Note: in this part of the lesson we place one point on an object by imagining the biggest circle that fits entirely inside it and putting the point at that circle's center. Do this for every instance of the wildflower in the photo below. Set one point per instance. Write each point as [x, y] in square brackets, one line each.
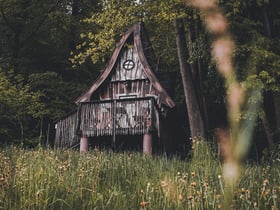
[163, 183]
[193, 184]
[144, 204]
[243, 190]
[38, 194]
[193, 173]
[219, 176]
[180, 197]
[219, 206]
[266, 193]
[265, 182]
[2, 179]
[148, 186]
[190, 197]
[249, 194]
[183, 180]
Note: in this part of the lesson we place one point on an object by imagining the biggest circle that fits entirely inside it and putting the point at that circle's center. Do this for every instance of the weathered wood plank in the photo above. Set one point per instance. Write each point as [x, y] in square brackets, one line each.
[66, 131]
[131, 116]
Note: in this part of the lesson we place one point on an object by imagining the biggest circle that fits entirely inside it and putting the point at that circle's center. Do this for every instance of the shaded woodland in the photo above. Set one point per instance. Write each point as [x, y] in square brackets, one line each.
[52, 51]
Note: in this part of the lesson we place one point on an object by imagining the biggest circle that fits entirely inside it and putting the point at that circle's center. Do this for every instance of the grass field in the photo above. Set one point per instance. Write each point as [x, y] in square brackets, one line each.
[53, 179]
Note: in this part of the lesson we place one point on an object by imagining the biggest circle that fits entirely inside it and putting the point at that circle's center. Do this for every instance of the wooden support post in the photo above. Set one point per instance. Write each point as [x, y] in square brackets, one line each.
[84, 144]
[147, 143]
[114, 119]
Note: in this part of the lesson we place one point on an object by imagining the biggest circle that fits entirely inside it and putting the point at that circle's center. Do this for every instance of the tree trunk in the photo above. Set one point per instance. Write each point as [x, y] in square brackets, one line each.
[267, 130]
[277, 115]
[196, 69]
[21, 130]
[271, 119]
[195, 119]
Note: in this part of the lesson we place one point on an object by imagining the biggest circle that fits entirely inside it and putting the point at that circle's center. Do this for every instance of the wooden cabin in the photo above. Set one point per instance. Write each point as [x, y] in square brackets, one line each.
[127, 99]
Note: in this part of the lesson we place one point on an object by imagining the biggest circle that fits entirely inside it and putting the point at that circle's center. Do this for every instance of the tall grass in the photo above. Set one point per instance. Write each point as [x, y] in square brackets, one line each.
[46, 179]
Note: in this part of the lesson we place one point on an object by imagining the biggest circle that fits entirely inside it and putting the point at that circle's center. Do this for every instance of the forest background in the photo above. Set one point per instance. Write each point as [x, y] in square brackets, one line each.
[52, 51]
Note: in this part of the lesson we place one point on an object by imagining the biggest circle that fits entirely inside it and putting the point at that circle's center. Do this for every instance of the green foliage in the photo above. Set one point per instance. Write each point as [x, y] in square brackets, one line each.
[18, 97]
[54, 90]
[36, 38]
[257, 52]
[47, 179]
[18, 103]
[113, 20]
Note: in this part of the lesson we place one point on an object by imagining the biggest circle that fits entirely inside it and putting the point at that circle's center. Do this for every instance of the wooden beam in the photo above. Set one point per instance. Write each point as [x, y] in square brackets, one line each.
[84, 144]
[147, 143]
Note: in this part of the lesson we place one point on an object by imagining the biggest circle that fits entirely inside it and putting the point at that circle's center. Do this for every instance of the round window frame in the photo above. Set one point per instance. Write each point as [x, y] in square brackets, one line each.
[127, 64]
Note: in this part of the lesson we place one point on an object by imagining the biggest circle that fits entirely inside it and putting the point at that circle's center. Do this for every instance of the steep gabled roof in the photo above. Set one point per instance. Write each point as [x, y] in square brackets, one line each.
[136, 31]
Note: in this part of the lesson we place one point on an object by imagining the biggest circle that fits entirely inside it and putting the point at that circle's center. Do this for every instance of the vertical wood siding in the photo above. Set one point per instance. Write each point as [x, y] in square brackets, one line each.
[96, 119]
[123, 82]
[137, 73]
[119, 117]
[108, 118]
[66, 131]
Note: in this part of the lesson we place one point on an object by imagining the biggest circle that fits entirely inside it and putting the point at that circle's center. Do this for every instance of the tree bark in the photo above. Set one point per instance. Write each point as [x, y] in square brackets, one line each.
[267, 131]
[271, 119]
[277, 115]
[21, 129]
[196, 69]
[196, 123]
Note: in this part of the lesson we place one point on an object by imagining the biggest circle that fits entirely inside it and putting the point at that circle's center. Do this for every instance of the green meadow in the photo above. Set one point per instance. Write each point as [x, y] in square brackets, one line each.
[99, 179]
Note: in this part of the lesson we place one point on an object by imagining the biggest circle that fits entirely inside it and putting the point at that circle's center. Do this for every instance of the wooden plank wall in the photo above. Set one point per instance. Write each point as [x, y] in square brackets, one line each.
[119, 117]
[137, 73]
[134, 117]
[123, 82]
[96, 119]
[66, 131]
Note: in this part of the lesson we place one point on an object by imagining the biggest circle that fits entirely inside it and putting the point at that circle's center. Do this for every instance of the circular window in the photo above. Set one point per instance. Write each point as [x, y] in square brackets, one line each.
[128, 64]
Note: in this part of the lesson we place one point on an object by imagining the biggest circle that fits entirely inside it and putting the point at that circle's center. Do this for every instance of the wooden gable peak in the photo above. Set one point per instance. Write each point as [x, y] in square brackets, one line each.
[138, 32]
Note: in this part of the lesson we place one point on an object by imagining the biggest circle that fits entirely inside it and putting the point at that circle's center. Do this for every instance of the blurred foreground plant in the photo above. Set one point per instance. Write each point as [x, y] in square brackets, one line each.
[235, 143]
